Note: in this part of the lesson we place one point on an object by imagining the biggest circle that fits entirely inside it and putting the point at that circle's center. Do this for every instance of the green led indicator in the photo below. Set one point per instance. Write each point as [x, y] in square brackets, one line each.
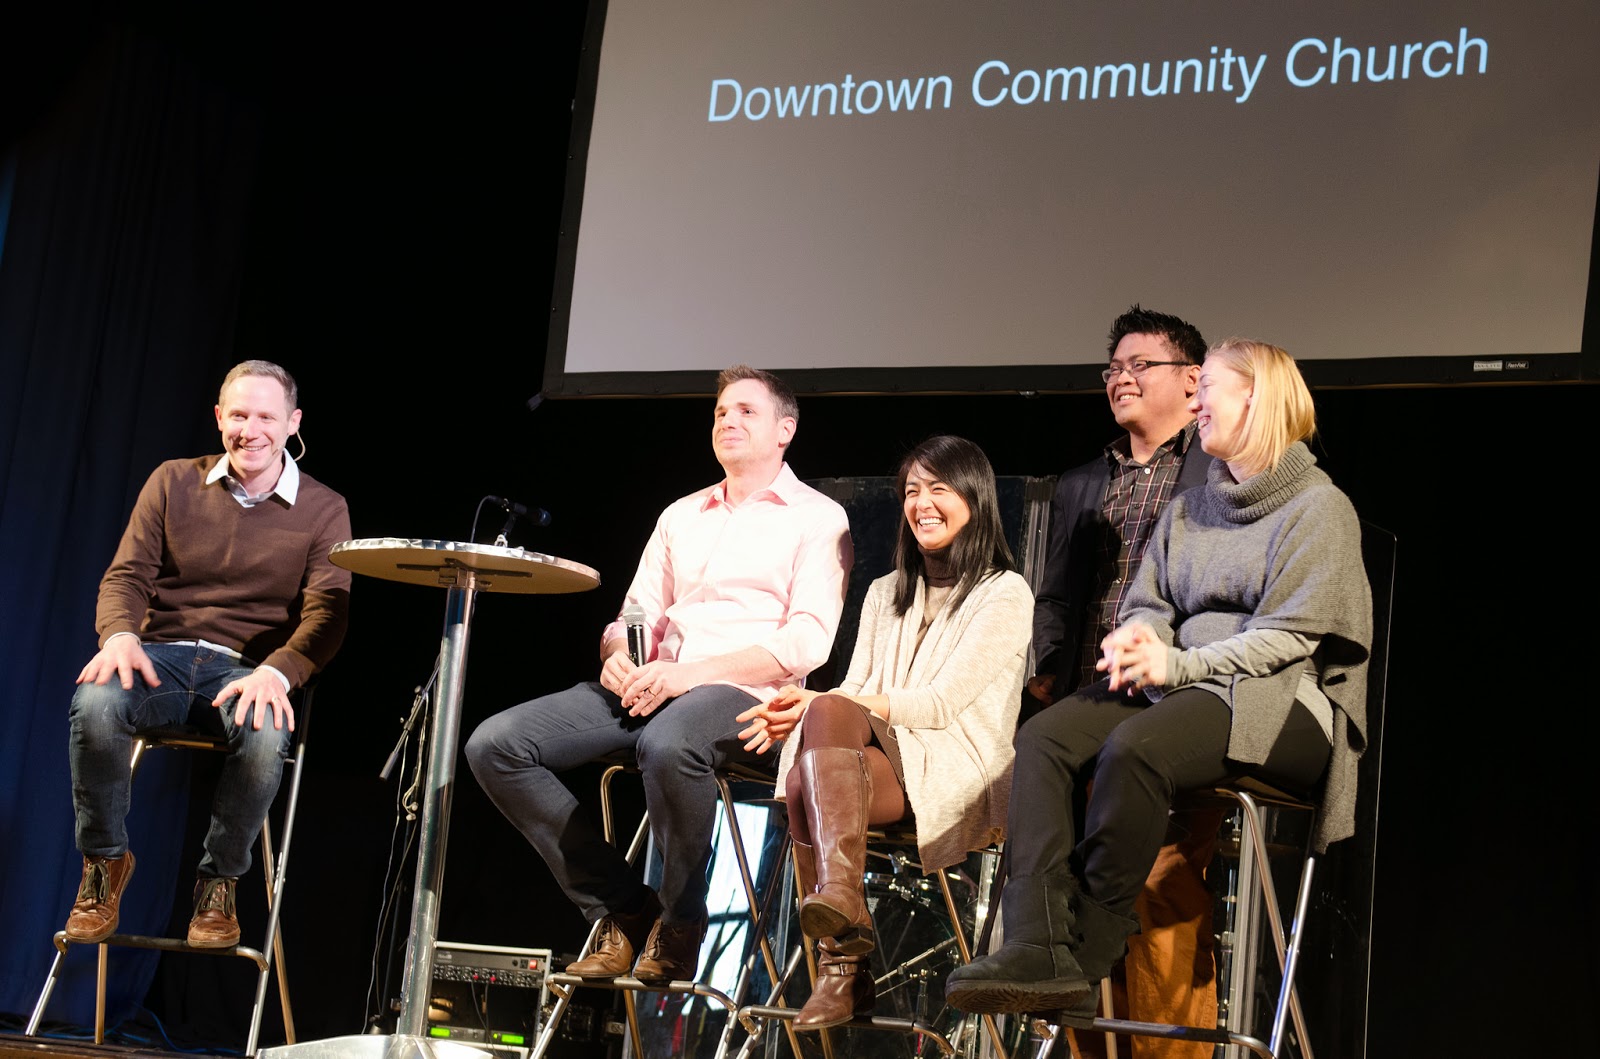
[510, 1038]
[438, 1031]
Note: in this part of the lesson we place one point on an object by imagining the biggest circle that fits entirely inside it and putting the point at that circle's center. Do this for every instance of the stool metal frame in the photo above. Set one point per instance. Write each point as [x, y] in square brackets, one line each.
[1254, 864]
[752, 1015]
[274, 869]
[563, 985]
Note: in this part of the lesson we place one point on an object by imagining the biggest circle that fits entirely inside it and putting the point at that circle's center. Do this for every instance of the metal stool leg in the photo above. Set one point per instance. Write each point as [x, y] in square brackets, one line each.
[752, 1026]
[100, 995]
[1269, 892]
[273, 870]
[563, 986]
[747, 972]
[989, 1025]
[1288, 995]
[759, 923]
[277, 956]
[44, 995]
[1253, 857]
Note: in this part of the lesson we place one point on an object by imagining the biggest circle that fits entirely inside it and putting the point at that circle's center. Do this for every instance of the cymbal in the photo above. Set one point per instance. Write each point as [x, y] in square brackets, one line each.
[452, 564]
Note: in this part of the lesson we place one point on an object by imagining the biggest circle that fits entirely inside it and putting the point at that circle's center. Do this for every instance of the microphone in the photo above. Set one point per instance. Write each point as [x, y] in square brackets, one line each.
[537, 515]
[633, 618]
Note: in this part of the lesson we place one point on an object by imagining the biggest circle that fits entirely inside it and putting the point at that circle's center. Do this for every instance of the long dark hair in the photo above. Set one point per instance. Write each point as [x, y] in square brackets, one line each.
[979, 550]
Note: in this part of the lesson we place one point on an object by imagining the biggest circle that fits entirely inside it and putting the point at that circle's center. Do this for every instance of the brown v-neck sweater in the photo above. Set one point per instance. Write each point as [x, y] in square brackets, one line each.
[194, 564]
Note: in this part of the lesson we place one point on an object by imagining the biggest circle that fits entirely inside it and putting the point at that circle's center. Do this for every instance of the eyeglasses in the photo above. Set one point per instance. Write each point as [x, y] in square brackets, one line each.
[1137, 368]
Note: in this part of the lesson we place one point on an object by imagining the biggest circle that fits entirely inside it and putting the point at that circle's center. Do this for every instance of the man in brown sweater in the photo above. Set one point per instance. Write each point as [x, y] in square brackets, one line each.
[220, 592]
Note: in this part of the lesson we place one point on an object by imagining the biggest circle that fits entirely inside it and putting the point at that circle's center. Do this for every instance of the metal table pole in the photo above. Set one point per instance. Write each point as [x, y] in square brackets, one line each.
[463, 570]
[442, 738]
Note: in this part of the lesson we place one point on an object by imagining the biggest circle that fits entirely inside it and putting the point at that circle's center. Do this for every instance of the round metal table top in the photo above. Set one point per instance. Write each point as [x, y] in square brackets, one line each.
[451, 564]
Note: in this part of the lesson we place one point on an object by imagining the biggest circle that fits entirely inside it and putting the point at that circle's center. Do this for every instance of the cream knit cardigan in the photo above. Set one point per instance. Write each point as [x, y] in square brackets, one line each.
[953, 704]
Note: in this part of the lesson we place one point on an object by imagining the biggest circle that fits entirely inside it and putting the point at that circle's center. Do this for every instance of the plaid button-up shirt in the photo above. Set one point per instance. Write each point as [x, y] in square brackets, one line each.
[1135, 497]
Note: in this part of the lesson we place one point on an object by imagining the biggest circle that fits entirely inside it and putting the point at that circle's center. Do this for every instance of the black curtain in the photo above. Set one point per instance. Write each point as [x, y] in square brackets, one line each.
[118, 288]
[402, 255]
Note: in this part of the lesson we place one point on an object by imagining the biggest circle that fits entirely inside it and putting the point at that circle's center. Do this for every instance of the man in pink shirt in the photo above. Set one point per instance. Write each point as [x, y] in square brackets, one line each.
[741, 586]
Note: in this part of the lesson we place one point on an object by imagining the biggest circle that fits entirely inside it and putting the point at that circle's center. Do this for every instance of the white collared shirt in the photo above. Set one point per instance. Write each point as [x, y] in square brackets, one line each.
[288, 485]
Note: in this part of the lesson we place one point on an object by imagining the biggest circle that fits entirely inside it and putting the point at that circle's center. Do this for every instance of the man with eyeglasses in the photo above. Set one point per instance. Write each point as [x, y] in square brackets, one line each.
[1100, 521]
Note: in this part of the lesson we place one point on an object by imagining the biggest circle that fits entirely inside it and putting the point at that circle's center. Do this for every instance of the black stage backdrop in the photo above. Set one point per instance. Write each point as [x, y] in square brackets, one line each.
[404, 189]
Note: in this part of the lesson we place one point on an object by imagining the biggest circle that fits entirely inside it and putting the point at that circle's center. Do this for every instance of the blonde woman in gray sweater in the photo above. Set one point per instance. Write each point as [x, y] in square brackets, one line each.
[920, 729]
[1241, 649]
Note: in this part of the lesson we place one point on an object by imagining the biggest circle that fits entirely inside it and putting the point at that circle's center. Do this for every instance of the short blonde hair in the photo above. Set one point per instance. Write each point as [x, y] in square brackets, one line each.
[1281, 412]
[264, 369]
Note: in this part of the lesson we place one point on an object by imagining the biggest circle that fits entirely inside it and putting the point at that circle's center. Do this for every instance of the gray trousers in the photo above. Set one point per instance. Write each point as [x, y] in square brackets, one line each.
[516, 755]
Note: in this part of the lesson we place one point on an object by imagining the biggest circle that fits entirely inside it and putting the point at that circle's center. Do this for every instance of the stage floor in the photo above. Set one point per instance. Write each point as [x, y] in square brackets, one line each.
[16, 1046]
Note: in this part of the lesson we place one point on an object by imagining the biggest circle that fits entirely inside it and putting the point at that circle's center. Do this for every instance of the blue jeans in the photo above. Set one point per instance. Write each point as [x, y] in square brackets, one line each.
[105, 720]
[515, 756]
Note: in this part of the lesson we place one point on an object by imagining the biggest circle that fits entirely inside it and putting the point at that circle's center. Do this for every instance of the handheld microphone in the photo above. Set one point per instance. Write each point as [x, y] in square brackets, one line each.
[537, 515]
[633, 618]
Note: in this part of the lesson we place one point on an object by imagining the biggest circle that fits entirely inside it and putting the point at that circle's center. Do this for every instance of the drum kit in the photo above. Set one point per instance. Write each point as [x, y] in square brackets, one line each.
[917, 949]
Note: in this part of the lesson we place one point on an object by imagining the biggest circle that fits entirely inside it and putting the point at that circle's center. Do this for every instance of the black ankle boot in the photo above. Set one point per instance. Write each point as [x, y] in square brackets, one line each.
[1100, 936]
[1034, 970]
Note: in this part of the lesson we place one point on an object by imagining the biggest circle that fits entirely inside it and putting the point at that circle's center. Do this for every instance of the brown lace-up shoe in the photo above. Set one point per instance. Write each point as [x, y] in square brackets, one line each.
[216, 921]
[620, 937]
[672, 954]
[94, 914]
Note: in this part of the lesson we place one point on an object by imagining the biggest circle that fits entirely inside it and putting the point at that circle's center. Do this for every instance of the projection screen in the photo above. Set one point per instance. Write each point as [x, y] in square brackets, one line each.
[883, 195]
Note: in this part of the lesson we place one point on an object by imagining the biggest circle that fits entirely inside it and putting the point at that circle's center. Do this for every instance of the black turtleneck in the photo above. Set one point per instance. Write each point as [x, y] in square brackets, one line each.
[937, 569]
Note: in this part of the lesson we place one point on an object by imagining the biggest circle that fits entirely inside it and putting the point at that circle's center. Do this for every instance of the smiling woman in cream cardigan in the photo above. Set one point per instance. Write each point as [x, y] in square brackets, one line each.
[920, 729]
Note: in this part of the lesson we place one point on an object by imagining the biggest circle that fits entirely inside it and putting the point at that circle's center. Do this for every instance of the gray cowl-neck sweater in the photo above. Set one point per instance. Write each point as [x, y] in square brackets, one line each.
[1278, 551]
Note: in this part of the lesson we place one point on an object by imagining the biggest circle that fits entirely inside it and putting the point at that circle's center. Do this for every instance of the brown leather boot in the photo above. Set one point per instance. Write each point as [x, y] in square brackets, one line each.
[838, 792]
[805, 868]
[216, 919]
[844, 989]
[672, 953]
[94, 914]
[619, 939]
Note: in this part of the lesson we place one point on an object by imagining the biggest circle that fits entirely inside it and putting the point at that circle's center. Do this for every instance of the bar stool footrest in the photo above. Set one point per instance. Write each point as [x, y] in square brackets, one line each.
[1163, 1030]
[639, 985]
[143, 941]
[751, 1012]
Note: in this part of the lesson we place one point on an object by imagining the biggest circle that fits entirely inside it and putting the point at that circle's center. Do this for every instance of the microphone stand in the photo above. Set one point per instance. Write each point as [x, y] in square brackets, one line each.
[422, 693]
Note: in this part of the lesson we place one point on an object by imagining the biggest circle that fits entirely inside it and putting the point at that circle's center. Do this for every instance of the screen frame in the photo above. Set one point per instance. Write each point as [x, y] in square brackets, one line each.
[1578, 366]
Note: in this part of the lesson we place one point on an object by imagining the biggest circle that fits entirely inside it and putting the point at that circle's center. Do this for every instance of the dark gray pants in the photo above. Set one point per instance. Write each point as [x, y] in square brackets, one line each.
[515, 756]
[1140, 755]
